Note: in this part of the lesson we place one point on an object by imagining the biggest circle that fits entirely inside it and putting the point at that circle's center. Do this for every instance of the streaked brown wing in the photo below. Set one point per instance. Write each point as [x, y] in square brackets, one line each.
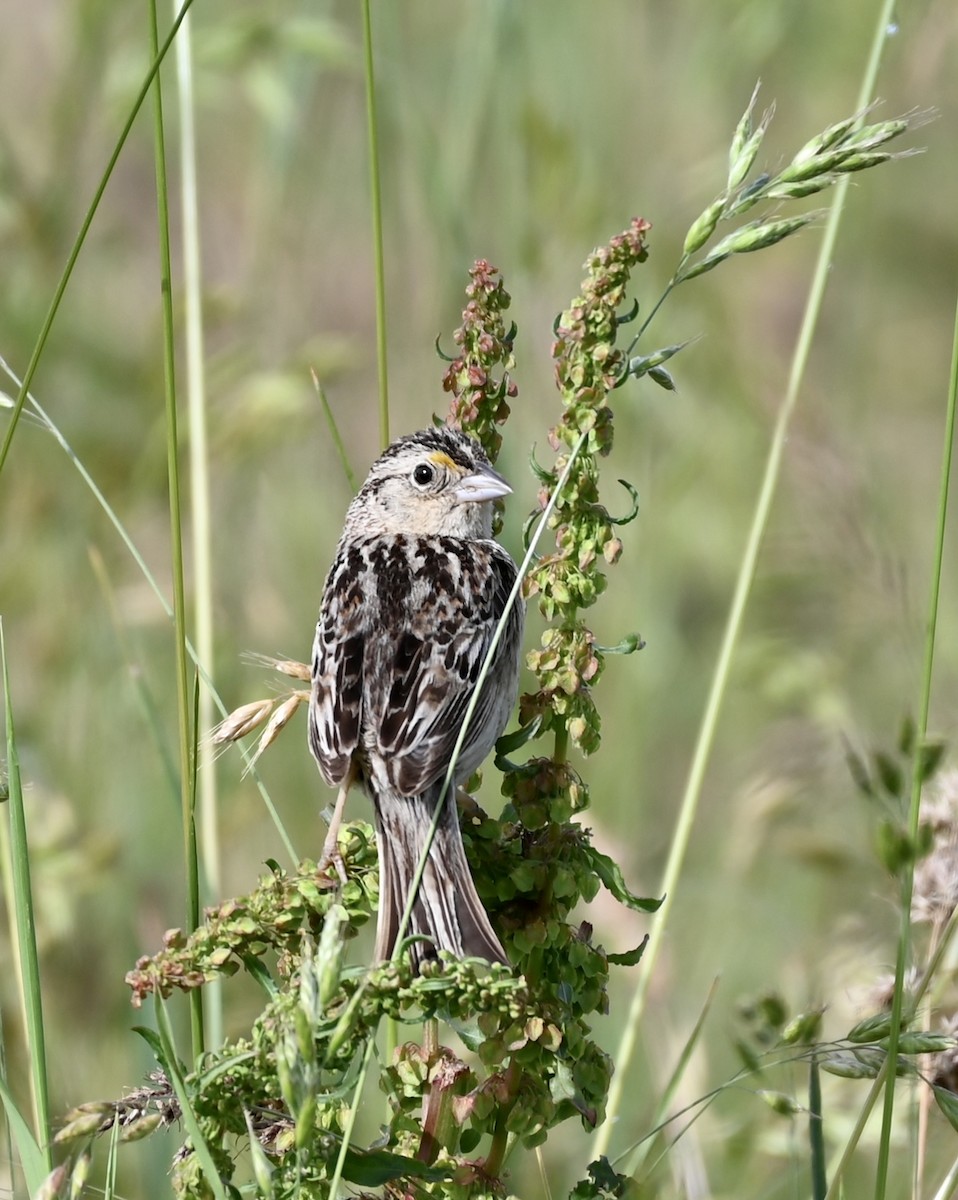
[335, 710]
[420, 683]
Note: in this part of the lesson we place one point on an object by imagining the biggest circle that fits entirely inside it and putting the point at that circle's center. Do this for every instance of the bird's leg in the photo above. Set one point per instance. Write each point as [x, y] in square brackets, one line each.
[331, 855]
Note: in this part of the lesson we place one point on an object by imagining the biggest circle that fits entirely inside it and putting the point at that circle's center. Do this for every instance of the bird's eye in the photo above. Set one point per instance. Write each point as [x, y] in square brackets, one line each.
[423, 474]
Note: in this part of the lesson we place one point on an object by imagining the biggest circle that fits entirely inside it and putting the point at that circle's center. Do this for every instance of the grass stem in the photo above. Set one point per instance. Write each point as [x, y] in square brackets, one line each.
[187, 793]
[25, 931]
[200, 513]
[372, 131]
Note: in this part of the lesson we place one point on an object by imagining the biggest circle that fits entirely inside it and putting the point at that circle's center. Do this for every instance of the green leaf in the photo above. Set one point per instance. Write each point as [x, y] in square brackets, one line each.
[152, 1039]
[630, 957]
[610, 874]
[947, 1101]
[629, 644]
[32, 1161]
[256, 968]
[889, 773]
[469, 1139]
[894, 846]
[605, 1183]
[262, 1167]
[930, 756]
[373, 1168]
[24, 924]
[541, 473]
[510, 742]
[633, 511]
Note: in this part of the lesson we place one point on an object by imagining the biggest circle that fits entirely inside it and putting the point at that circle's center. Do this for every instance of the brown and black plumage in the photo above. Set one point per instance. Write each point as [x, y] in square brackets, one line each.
[409, 610]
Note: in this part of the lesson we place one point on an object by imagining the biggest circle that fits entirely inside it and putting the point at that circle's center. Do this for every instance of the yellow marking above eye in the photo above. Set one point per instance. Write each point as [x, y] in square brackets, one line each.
[441, 459]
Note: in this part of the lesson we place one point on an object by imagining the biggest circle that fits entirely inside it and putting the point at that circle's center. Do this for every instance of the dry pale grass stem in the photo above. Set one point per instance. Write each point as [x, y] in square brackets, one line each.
[274, 711]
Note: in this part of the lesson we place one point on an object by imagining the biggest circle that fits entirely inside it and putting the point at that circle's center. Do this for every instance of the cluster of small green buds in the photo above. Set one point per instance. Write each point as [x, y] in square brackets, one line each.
[588, 366]
[480, 396]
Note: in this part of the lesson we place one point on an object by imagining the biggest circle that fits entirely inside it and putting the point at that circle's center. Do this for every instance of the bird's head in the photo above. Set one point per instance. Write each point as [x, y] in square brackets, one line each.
[437, 482]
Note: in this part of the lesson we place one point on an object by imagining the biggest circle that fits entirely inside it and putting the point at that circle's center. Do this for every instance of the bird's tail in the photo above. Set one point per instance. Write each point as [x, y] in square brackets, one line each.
[447, 908]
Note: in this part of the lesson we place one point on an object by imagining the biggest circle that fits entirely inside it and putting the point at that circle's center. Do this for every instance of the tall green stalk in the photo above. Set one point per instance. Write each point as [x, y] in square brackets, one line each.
[200, 518]
[26, 934]
[187, 792]
[746, 575]
[372, 130]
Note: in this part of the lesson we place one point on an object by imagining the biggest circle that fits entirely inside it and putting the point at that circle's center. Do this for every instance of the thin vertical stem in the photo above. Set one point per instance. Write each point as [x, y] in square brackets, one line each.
[24, 930]
[187, 795]
[199, 490]
[372, 129]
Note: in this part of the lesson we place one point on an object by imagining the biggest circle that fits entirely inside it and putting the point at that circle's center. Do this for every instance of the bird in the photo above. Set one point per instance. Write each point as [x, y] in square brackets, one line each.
[409, 609]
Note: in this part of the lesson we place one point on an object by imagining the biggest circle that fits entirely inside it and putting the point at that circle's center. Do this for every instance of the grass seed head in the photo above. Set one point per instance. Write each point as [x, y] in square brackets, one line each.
[241, 721]
[277, 723]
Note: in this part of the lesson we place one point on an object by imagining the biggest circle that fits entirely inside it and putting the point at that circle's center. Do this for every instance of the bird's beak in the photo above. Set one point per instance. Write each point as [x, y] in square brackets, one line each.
[485, 484]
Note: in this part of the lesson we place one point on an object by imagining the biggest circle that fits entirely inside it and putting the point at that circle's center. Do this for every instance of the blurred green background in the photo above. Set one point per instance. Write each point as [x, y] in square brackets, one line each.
[526, 134]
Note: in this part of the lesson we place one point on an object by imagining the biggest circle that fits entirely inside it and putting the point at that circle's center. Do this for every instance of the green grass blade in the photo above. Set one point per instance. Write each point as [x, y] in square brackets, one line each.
[200, 507]
[26, 933]
[351, 1118]
[634, 1162]
[816, 1131]
[109, 1184]
[336, 435]
[186, 738]
[33, 1161]
[949, 1183]
[372, 132]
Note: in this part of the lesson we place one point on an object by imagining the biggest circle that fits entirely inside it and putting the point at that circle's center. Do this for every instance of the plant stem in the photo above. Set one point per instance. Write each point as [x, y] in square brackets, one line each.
[187, 794]
[560, 751]
[201, 523]
[500, 1137]
[377, 215]
[25, 932]
[430, 1037]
